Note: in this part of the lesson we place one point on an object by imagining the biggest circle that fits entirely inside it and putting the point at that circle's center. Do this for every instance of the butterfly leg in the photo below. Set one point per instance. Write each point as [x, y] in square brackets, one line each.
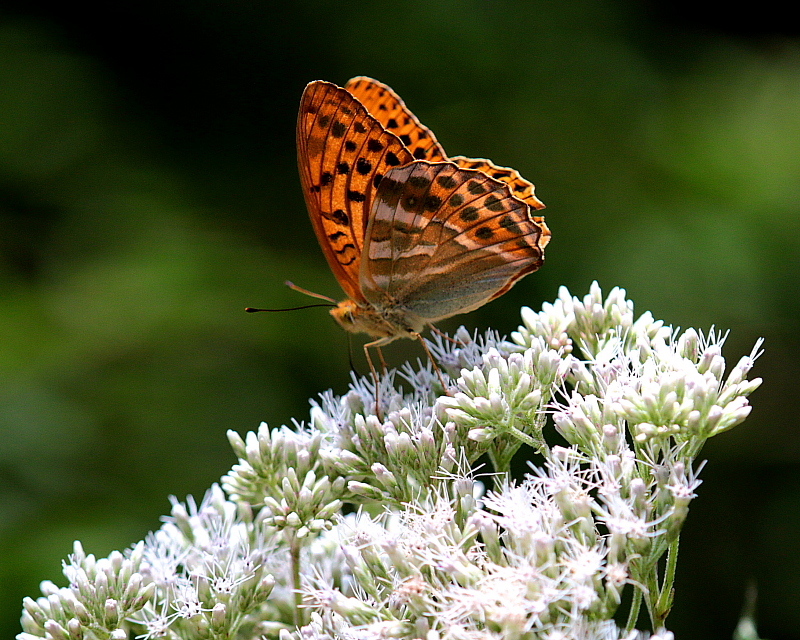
[383, 362]
[419, 337]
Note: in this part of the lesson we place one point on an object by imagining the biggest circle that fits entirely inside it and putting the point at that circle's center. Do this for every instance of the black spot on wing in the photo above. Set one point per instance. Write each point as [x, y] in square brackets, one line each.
[363, 166]
[390, 191]
[412, 203]
[484, 233]
[338, 129]
[432, 203]
[420, 182]
[469, 214]
[475, 188]
[343, 250]
[492, 203]
[507, 222]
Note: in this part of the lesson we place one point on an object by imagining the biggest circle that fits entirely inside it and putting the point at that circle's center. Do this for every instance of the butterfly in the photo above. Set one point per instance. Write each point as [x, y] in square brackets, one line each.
[413, 236]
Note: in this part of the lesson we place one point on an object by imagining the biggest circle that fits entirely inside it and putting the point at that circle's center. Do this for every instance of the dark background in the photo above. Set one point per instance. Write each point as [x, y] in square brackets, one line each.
[149, 192]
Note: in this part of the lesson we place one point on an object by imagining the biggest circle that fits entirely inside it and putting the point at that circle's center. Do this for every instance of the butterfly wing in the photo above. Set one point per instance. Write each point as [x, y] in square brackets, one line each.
[343, 153]
[390, 110]
[443, 240]
[520, 187]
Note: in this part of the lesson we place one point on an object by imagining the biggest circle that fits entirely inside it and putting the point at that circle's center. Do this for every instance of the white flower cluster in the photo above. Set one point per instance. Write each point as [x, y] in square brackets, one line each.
[449, 568]
[506, 396]
[427, 553]
[101, 595]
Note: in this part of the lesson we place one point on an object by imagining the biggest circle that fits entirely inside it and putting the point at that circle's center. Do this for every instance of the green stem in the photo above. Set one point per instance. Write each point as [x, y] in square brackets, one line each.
[294, 552]
[664, 603]
[536, 441]
[529, 440]
[651, 583]
[633, 614]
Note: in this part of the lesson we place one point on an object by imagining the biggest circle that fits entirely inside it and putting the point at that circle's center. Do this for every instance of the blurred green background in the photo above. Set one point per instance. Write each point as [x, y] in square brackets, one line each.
[149, 192]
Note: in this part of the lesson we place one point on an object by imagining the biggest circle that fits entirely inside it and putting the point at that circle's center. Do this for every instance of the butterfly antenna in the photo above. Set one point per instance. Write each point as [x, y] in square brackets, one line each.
[294, 287]
[305, 306]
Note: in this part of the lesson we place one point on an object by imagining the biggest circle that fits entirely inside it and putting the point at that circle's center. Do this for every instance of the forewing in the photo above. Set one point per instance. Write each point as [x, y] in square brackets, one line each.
[343, 152]
[444, 240]
[390, 110]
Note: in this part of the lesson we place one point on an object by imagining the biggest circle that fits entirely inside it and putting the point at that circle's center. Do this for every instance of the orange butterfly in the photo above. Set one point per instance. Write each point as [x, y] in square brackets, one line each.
[411, 235]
